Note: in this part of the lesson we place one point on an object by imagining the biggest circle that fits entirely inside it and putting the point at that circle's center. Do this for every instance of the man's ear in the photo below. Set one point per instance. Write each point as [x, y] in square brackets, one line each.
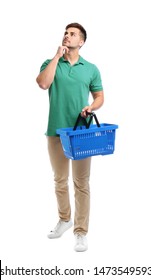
[81, 43]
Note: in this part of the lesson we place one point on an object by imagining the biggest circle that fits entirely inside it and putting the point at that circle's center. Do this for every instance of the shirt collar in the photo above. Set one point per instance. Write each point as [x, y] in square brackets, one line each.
[80, 60]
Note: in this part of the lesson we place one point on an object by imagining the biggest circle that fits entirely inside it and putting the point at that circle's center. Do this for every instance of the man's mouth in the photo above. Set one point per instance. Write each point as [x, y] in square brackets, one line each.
[65, 41]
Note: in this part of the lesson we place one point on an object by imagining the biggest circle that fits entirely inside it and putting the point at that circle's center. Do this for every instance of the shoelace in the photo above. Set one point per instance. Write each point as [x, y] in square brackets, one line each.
[80, 238]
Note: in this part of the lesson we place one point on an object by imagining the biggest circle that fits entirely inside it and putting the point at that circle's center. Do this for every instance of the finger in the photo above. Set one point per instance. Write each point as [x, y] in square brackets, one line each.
[84, 114]
[65, 48]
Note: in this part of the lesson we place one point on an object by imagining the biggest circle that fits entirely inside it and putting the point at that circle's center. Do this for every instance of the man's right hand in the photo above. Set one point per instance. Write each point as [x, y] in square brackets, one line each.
[61, 50]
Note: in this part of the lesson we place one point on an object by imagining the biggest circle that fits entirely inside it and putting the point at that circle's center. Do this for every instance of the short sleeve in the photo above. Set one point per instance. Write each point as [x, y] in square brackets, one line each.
[44, 65]
[96, 82]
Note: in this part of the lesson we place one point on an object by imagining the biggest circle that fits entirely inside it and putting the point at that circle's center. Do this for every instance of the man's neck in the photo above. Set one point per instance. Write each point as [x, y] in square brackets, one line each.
[72, 56]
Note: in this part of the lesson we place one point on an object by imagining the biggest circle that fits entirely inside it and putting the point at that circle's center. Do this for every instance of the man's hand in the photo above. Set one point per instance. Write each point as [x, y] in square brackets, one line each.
[85, 110]
[61, 50]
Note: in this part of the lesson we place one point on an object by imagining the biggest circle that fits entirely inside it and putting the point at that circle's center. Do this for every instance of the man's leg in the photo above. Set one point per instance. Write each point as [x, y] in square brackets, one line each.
[60, 167]
[81, 176]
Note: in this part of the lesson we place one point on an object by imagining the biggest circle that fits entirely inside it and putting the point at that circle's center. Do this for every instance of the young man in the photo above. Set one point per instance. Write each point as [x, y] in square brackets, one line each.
[69, 80]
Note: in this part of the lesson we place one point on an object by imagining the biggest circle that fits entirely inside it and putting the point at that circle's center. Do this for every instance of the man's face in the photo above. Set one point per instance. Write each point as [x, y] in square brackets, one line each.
[72, 38]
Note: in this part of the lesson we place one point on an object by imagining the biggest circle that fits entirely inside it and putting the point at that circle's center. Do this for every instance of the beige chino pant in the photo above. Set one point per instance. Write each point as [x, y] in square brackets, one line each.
[80, 176]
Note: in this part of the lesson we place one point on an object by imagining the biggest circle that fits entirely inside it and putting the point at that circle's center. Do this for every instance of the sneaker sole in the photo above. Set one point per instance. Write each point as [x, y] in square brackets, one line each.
[81, 249]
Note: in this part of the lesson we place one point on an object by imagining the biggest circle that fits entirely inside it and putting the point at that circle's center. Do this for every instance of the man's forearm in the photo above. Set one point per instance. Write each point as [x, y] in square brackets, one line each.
[46, 77]
[98, 102]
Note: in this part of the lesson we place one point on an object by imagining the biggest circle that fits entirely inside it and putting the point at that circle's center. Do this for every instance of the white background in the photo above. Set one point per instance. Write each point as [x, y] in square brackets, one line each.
[119, 44]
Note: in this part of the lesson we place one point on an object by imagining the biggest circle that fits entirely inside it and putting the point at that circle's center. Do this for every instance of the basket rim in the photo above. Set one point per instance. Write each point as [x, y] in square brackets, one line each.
[82, 130]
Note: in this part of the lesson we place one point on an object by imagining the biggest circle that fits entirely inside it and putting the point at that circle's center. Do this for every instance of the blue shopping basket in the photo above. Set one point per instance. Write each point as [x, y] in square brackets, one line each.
[88, 140]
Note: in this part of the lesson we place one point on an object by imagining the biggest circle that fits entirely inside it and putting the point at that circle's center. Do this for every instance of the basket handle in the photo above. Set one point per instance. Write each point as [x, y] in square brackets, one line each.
[92, 115]
[87, 124]
[80, 118]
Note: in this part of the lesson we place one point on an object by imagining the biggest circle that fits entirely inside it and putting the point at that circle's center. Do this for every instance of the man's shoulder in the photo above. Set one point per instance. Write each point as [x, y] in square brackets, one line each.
[87, 62]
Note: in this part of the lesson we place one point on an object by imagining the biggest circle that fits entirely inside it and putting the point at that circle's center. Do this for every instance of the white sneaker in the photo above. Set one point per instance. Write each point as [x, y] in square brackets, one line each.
[60, 228]
[81, 244]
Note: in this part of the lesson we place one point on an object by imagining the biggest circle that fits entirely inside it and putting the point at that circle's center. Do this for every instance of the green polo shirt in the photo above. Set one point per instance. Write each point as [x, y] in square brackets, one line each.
[69, 92]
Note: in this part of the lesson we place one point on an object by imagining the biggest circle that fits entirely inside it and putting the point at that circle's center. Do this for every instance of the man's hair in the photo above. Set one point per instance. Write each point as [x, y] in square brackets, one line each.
[80, 27]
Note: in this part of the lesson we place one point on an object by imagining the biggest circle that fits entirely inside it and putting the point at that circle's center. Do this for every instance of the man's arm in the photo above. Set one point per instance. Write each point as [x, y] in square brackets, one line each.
[46, 77]
[98, 100]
